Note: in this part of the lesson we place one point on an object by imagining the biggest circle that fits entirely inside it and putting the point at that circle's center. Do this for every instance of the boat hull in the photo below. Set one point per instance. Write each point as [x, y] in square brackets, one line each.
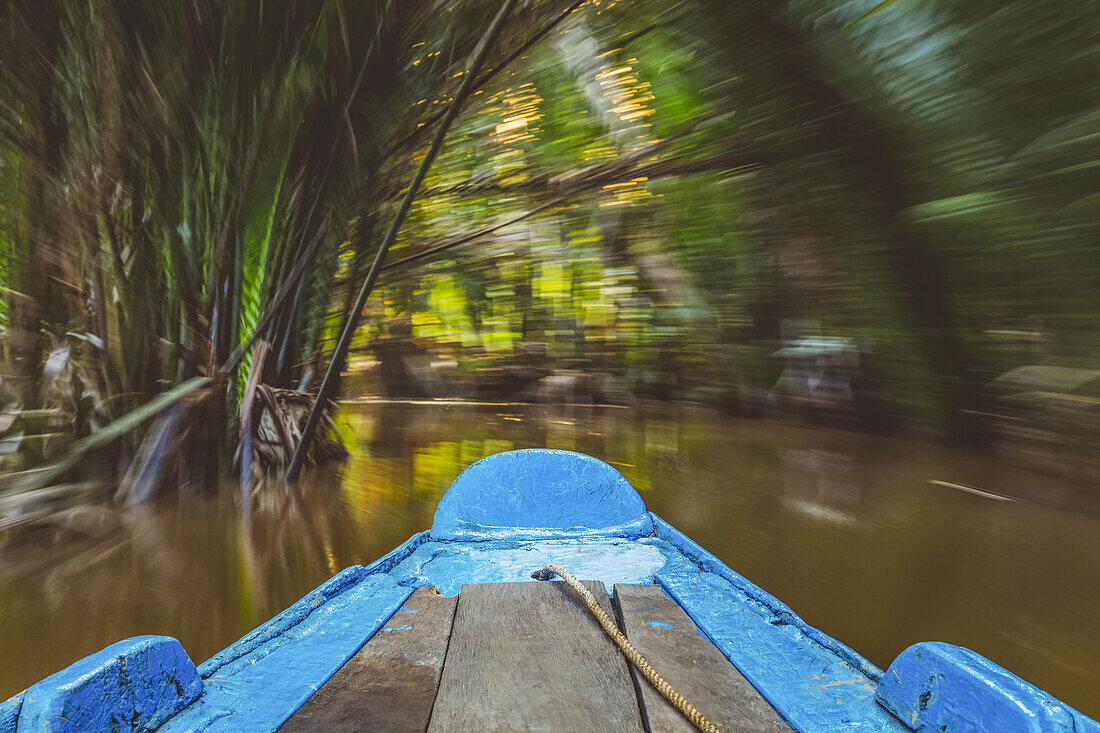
[502, 519]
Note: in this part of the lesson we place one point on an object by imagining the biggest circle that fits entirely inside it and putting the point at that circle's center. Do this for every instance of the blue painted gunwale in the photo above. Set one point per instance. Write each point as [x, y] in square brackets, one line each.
[508, 515]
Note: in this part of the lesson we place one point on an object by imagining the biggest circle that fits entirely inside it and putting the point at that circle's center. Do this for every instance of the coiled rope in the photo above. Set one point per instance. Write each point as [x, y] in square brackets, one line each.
[678, 701]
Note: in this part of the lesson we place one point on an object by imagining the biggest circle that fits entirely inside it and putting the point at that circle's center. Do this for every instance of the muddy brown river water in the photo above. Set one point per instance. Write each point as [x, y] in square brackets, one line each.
[879, 542]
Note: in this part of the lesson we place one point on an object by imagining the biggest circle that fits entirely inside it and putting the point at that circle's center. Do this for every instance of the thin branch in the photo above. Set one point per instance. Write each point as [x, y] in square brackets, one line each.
[659, 169]
[470, 236]
[541, 181]
[41, 477]
[352, 321]
[485, 78]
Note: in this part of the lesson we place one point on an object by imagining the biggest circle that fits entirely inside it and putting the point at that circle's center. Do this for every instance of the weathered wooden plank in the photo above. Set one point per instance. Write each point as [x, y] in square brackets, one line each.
[667, 637]
[529, 656]
[389, 685]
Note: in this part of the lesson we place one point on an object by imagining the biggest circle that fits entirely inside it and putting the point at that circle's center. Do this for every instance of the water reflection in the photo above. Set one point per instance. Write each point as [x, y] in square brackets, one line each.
[845, 528]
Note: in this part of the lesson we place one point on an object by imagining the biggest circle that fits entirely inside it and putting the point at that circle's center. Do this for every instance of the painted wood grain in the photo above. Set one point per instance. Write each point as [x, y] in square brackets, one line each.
[390, 684]
[529, 656]
[666, 636]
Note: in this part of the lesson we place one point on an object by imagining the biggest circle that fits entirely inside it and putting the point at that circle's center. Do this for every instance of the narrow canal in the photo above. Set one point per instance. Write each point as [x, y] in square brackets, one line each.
[879, 542]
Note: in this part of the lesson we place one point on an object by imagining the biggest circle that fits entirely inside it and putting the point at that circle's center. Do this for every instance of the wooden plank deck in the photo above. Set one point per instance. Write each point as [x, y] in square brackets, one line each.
[390, 684]
[667, 637]
[529, 656]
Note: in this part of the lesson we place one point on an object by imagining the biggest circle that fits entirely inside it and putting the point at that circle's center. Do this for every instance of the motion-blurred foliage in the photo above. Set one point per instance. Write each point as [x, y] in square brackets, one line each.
[708, 180]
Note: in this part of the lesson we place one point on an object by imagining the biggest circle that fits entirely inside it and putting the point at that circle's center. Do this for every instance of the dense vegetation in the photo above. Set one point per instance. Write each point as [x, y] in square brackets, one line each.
[685, 184]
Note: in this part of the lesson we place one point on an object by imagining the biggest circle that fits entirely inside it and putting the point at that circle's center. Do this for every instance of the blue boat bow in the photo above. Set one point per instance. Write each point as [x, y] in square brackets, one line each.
[502, 518]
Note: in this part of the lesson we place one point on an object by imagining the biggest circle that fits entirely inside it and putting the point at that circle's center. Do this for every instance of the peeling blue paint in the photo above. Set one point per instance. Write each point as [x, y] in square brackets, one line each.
[511, 514]
[145, 680]
[385, 563]
[811, 686]
[448, 565]
[942, 687]
[780, 613]
[396, 628]
[263, 687]
[9, 712]
[285, 621]
[812, 680]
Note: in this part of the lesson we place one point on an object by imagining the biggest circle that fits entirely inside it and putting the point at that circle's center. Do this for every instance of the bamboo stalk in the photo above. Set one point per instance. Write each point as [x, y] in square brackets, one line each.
[247, 408]
[332, 374]
[280, 295]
